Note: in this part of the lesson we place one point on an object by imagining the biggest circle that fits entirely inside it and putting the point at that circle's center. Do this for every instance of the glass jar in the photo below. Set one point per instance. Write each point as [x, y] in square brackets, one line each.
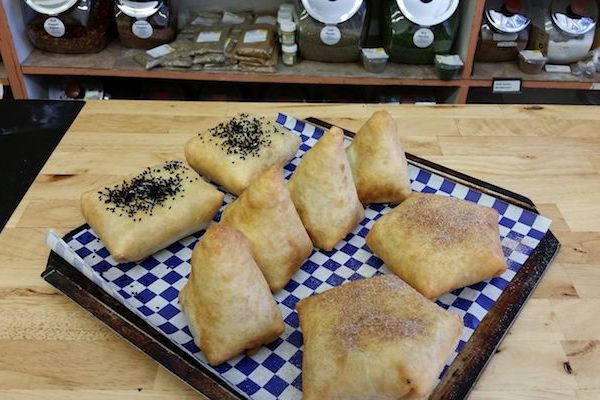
[69, 26]
[145, 24]
[331, 31]
[504, 31]
[414, 31]
[288, 32]
[289, 54]
[564, 29]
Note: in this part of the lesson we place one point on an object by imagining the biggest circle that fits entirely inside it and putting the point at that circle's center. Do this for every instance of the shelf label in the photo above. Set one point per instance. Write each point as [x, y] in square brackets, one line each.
[595, 86]
[558, 68]
[506, 86]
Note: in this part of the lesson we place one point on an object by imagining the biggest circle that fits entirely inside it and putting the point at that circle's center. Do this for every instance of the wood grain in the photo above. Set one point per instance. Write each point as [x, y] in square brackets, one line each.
[51, 349]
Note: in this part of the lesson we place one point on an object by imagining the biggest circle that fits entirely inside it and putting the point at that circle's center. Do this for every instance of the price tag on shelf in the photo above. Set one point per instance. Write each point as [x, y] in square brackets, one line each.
[558, 68]
[507, 86]
[595, 86]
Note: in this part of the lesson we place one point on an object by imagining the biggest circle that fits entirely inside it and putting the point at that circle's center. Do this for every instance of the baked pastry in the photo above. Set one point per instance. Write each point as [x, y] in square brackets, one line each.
[374, 338]
[378, 161]
[146, 212]
[226, 300]
[265, 214]
[233, 153]
[323, 191]
[438, 243]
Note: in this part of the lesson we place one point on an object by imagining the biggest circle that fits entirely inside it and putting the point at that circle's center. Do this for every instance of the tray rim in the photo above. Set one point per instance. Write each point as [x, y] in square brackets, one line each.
[458, 381]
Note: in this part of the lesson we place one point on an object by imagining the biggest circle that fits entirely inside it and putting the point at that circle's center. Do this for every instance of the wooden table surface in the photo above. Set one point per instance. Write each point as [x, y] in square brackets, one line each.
[51, 349]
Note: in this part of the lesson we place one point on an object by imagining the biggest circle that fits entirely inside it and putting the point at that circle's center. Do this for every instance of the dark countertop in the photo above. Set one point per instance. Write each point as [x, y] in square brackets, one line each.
[30, 130]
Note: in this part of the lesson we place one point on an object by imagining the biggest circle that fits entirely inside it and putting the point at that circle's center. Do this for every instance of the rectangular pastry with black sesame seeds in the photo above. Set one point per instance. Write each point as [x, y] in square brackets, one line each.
[143, 213]
[232, 154]
[374, 338]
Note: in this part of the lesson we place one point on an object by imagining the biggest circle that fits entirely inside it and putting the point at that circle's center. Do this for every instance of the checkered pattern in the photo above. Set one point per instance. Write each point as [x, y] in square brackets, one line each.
[150, 288]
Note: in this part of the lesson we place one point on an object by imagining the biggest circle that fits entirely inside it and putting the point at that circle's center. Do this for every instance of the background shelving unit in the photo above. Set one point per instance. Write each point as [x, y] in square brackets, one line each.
[31, 69]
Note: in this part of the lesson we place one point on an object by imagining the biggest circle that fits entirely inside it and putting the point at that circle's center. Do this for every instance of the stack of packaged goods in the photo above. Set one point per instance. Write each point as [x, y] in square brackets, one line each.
[287, 34]
[219, 42]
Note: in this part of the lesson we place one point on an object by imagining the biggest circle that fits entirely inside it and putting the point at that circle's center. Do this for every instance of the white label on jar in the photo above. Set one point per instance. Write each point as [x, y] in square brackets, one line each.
[54, 27]
[331, 35]
[506, 44]
[256, 36]
[505, 37]
[423, 38]
[142, 29]
[558, 68]
[160, 51]
[209, 36]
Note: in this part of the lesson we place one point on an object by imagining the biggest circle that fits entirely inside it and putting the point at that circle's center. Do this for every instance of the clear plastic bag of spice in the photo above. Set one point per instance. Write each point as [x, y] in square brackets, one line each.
[256, 41]
[69, 26]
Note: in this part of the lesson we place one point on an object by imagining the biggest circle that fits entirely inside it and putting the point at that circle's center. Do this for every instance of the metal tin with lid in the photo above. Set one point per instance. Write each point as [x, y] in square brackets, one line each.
[574, 18]
[428, 12]
[332, 12]
[51, 7]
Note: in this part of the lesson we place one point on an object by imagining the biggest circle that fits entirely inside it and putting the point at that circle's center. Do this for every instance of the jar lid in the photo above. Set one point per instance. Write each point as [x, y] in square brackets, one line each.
[332, 12]
[428, 12]
[574, 17]
[507, 16]
[51, 7]
[287, 26]
[139, 8]
[289, 48]
[287, 6]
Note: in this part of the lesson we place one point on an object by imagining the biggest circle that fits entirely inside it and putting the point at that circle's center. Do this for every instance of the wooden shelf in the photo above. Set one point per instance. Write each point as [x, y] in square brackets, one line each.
[3, 77]
[484, 73]
[116, 61]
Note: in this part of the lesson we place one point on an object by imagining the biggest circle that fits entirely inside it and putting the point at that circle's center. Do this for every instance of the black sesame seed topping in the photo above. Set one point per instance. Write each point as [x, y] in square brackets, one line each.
[243, 135]
[145, 191]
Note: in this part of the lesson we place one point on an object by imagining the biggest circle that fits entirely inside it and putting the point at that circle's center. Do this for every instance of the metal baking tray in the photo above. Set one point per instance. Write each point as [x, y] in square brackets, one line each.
[457, 380]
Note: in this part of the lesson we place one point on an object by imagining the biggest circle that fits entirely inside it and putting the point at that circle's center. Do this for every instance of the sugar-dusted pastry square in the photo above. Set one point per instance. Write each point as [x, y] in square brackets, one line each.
[378, 161]
[235, 152]
[323, 191]
[437, 243]
[374, 338]
[227, 300]
[145, 212]
[265, 214]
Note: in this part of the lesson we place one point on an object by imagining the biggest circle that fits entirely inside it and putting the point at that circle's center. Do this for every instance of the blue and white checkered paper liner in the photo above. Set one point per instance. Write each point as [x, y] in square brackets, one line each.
[150, 288]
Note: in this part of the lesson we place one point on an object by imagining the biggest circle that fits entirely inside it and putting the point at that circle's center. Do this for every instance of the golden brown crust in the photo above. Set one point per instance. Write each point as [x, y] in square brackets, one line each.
[378, 161]
[132, 238]
[323, 192]
[227, 300]
[235, 171]
[264, 212]
[438, 243]
[382, 339]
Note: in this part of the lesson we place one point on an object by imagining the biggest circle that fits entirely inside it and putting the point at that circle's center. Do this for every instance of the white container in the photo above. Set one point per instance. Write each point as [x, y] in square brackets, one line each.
[289, 54]
[564, 29]
[288, 32]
